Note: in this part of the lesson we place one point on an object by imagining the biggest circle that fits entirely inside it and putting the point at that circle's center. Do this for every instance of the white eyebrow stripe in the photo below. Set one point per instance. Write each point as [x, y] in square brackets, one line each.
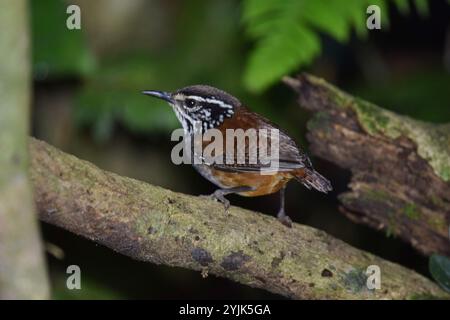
[209, 100]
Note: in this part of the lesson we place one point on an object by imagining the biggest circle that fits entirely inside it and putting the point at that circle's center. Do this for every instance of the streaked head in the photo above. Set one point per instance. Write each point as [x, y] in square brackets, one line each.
[199, 105]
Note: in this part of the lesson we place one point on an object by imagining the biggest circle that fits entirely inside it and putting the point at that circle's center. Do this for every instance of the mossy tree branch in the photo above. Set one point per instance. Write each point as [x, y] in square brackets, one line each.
[156, 225]
[22, 267]
[400, 166]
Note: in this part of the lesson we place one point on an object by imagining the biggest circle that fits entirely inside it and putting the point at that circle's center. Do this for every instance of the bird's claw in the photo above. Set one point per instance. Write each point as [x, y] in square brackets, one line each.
[284, 219]
[219, 197]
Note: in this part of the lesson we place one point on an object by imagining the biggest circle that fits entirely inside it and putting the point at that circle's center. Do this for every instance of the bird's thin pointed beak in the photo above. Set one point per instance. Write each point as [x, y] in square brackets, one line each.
[166, 96]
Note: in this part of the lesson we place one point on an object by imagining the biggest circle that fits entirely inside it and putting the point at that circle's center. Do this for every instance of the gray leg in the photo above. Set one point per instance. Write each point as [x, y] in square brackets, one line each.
[282, 217]
[219, 194]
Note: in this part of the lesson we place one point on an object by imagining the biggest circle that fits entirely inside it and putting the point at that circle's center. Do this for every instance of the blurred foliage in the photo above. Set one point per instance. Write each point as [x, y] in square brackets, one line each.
[113, 93]
[440, 270]
[287, 33]
[422, 94]
[57, 52]
[204, 45]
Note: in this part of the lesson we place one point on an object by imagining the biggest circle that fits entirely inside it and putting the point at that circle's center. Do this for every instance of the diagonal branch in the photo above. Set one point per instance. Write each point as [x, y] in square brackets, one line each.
[156, 225]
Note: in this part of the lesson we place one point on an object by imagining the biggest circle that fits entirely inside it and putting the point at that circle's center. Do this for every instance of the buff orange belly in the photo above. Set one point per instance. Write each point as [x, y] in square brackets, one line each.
[262, 184]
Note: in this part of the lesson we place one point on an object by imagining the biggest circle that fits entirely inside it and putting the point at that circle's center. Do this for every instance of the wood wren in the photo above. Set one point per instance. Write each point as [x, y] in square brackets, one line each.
[207, 107]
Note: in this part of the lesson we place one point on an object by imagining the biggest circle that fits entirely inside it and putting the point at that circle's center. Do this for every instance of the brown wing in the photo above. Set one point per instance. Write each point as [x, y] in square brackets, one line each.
[290, 156]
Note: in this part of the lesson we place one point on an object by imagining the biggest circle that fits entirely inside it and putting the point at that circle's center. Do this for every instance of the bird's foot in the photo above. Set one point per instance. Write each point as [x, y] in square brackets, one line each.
[284, 219]
[219, 196]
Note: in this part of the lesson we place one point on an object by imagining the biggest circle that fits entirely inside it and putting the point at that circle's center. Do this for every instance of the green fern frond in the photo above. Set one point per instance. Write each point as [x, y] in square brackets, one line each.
[286, 32]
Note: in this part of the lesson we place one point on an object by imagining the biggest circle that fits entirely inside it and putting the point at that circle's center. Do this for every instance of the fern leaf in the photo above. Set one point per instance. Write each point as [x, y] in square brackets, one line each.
[287, 33]
[278, 53]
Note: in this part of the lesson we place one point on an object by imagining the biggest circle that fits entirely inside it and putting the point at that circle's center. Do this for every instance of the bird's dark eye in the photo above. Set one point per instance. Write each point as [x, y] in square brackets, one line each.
[190, 103]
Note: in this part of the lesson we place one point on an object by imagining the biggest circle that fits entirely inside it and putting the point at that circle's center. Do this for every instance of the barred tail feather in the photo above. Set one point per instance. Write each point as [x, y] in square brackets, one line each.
[312, 179]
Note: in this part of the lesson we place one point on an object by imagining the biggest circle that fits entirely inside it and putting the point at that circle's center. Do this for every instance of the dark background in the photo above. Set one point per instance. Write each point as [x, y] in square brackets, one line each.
[87, 102]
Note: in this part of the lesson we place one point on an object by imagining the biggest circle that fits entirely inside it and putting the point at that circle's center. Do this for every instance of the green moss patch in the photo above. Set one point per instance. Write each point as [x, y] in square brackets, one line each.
[432, 140]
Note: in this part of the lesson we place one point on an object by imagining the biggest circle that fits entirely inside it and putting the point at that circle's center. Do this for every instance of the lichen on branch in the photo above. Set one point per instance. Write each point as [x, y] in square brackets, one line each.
[400, 166]
[153, 224]
[432, 140]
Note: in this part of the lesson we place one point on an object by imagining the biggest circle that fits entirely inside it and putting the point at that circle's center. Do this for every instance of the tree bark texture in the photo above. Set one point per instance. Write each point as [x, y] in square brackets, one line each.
[400, 166]
[153, 224]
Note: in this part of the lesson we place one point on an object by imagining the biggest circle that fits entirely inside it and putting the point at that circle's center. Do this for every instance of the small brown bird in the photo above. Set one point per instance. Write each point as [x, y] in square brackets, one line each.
[213, 108]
